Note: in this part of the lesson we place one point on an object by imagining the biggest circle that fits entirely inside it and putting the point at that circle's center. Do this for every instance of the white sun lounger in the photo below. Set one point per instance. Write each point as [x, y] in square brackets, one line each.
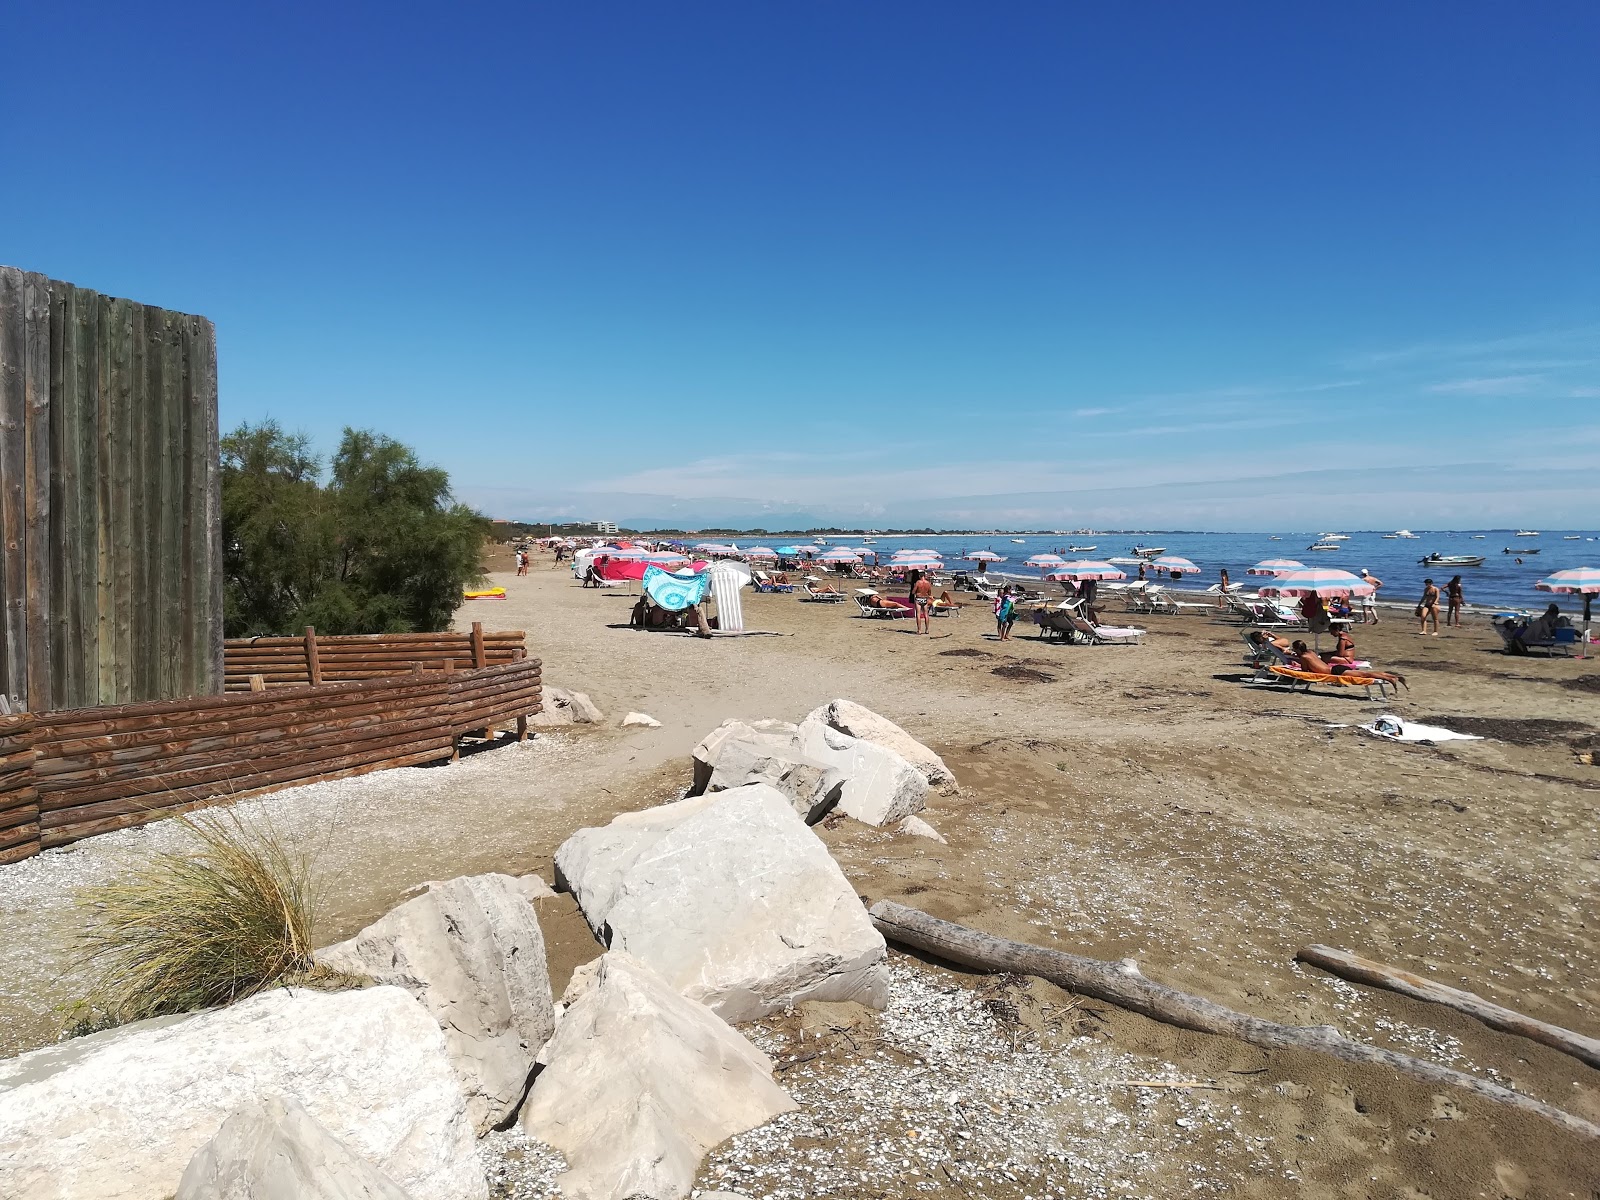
[1107, 635]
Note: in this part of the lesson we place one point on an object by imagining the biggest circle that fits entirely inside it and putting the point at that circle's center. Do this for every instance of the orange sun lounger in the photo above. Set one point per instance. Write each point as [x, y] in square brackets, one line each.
[1348, 679]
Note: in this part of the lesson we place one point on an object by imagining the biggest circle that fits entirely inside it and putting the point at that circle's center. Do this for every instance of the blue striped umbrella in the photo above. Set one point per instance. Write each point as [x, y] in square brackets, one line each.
[1319, 581]
[1271, 566]
[1044, 560]
[1085, 569]
[1167, 564]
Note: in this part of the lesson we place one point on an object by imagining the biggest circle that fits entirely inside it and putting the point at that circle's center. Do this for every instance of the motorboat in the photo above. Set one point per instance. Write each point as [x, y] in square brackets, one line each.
[1333, 537]
[1478, 537]
[1571, 537]
[1452, 560]
[1526, 533]
[1082, 549]
[1020, 541]
[1520, 550]
[1125, 562]
[1274, 538]
[1323, 545]
[1148, 551]
[1401, 533]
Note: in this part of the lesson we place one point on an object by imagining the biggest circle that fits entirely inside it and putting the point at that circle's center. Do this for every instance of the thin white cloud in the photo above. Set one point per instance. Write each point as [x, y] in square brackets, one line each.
[1095, 412]
[1490, 385]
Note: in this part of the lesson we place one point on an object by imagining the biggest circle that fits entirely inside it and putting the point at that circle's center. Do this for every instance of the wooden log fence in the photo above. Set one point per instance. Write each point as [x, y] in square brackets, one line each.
[314, 658]
[72, 774]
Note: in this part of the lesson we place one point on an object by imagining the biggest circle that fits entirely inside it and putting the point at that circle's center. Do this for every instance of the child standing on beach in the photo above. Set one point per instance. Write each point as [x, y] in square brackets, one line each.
[1005, 614]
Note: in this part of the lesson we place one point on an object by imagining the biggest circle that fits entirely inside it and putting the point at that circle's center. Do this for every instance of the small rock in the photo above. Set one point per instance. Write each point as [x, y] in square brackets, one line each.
[917, 827]
[273, 1149]
[534, 888]
[641, 720]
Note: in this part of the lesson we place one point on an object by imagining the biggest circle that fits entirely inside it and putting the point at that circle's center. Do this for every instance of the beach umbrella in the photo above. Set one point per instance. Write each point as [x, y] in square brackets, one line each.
[899, 554]
[1083, 569]
[664, 558]
[1271, 566]
[795, 551]
[1576, 581]
[1174, 564]
[1324, 582]
[985, 556]
[760, 552]
[1044, 560]
[839, 555]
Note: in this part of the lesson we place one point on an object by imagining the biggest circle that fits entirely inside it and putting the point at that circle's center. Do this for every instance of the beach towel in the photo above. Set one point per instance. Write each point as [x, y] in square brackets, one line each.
[1396, 730]
[675, 592]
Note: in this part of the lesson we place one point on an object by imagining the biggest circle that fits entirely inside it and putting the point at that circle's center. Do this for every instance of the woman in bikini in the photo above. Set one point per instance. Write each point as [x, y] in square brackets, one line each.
[1428, 607]
[1309, 660]
[1453, 600]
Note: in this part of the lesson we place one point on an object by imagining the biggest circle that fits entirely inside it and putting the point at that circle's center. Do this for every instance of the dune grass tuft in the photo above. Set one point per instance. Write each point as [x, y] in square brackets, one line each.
[226, 916]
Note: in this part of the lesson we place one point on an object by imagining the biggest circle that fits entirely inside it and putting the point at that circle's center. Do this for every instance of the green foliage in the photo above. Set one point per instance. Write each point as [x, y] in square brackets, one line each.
[222, 918]
[379, 548]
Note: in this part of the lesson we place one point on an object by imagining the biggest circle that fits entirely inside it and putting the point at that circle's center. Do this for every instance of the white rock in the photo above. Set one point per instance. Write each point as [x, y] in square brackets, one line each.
[731, 899]
[641, 720]
[775, 759]
[880, 787]
[118, 1115]
[563, 707]
[639, 1083]
[470, 949]
[273, 1149]
[859, 721]
[917, 827]
[533, 887]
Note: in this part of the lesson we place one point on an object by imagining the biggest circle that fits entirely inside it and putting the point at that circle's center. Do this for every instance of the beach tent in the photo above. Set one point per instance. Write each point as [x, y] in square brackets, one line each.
[726, 580]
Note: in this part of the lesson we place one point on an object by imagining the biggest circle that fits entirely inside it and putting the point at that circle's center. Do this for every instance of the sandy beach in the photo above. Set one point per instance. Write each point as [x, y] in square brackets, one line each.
[1115, 801]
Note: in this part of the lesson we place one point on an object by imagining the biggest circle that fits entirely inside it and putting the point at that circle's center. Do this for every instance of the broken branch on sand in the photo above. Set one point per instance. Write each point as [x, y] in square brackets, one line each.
[1365, 970]
[1123, 985]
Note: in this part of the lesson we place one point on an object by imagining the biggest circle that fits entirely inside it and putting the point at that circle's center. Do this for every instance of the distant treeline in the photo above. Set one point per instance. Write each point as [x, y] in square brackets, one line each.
[377, 546]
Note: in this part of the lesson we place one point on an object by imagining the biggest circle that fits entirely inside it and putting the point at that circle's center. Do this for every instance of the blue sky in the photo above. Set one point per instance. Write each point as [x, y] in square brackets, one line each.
[1041, 264]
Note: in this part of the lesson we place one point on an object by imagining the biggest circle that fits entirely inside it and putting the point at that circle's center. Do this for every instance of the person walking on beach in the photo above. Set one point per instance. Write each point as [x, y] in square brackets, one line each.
[1428, 607]
[1222, 596]
[922, 603]
[1005, 613]
[1453, 601]
[1369, 602]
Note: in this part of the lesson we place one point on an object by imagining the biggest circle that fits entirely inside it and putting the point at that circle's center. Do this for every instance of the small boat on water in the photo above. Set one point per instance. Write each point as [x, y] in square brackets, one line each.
[1019, 541]
[1333, 537]
[1148, 551]
[1520, 550]
[1399, 533]
[1323, 545]
[1124, 562]
[1274, 538]
[1571, 537]
[1526, 533]
[1478, 537]
[1452, 560]
[1082, 549]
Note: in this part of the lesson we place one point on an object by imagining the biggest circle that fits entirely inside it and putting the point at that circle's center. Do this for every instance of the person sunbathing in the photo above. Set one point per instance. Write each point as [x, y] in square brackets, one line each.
[1303, 658]
[1260, 639]
[946, 600]
[823, 586]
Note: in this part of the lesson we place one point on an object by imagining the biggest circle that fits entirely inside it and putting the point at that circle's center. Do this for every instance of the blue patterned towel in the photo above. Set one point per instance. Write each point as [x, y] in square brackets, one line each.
[675, 592]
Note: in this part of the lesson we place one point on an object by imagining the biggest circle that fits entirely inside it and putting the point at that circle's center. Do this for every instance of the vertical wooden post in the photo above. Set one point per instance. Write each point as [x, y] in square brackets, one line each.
[257, 684]
[416, 668]
[449, 666]
[522, 728]
[480, 657]
[313, 663]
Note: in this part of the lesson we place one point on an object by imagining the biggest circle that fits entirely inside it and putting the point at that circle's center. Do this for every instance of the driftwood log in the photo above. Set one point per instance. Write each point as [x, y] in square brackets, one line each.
[1122, 984]
[1366, 970]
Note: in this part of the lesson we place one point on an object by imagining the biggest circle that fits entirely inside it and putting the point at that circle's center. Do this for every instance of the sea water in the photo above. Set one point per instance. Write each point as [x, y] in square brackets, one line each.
[1502, 581]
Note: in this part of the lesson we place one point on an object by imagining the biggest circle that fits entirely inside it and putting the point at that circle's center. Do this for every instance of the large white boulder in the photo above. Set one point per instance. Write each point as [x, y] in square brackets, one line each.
[640, 1082]
[861, 722]
[470, 949]
[735, 754]
[731, 899]
[118, 1115]
[880, 787]
[273, 1149]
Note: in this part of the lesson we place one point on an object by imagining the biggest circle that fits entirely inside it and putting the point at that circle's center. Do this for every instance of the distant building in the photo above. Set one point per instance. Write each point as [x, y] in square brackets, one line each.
[606, 526]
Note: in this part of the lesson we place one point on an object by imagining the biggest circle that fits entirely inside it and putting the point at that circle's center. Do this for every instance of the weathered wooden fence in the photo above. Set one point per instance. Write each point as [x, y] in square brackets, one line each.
[317, 658]
[110, 512]
[68, 775]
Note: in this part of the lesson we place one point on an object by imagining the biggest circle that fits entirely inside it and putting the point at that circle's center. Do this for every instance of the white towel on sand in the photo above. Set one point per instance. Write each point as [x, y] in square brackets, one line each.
[1396, 730]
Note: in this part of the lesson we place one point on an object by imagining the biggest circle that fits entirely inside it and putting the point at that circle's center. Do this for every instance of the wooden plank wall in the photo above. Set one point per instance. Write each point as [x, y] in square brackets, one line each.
[110, 499]
[70, 775]
[317, 658]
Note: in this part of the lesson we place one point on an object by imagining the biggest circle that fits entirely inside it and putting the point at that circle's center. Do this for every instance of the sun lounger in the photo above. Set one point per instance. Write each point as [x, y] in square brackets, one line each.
[1304, 679]
[888, 608]
[1564, 640]
[1106, 635]
[822, 597]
